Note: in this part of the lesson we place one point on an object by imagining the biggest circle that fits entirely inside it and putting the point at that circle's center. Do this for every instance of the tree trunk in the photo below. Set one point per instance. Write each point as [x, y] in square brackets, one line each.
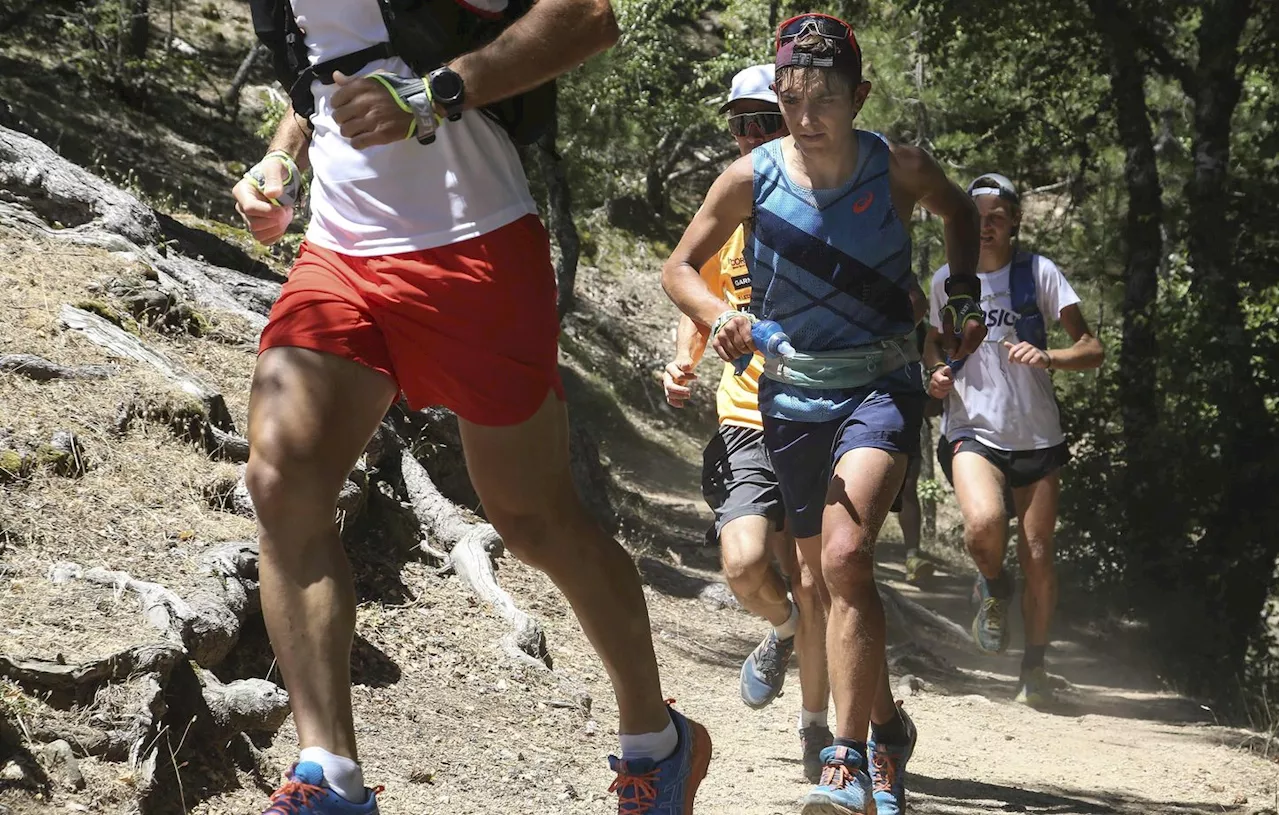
[1246, 429]
[665, 157]
[231, 100]
[559, 218]
[1139, 350]
[924, 272]
[139, 29]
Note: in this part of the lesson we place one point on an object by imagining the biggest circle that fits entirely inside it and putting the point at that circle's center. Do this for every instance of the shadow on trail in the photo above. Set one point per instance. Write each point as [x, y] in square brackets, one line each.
[648, 464]
[721, 650]
[948, 795]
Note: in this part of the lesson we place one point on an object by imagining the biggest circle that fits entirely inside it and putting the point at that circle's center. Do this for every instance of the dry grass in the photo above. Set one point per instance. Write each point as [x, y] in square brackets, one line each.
[140, 507]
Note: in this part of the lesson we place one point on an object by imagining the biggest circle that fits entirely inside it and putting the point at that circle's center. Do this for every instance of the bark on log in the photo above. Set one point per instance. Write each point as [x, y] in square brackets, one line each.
[42, 370]
[119, 342]
[38, 188]
[80, 680]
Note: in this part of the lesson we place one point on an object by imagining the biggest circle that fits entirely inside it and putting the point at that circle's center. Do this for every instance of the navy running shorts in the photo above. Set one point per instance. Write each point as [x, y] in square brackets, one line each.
[804, 454]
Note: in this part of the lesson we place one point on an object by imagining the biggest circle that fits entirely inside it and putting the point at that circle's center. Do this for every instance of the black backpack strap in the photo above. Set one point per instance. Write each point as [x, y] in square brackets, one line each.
[350, 64]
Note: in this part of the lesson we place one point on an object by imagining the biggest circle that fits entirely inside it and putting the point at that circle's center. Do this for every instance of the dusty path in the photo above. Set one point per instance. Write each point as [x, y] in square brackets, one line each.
[1114, 743]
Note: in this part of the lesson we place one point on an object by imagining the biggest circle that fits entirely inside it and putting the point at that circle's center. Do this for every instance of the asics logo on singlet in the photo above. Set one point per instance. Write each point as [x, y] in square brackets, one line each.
[861, 204]
[998, 317]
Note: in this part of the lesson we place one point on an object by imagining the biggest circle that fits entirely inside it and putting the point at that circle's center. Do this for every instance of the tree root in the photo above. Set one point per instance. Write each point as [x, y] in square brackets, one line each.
[190, 422]
[471, 545]
[910, 613]
[207, 624]
[77, 682]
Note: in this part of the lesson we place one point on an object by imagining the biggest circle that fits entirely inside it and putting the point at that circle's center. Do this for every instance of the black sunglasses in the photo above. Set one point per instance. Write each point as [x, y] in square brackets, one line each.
[764, 124]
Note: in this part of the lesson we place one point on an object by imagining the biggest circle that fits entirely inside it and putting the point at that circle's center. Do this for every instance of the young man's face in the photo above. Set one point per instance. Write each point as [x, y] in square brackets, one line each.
[753, 122]
[999, 219]
[819, 110]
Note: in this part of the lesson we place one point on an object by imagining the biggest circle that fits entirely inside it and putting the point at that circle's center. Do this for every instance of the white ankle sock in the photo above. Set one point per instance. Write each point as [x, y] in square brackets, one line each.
[657, 746]
[788, 629]
[808, 718]
[343, 775]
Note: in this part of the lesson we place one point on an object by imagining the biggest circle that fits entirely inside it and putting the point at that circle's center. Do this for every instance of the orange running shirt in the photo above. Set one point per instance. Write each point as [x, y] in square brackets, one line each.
[738, 399]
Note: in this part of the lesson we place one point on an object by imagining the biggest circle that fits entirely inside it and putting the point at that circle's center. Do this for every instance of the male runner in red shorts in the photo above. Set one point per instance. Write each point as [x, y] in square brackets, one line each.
[426, 271]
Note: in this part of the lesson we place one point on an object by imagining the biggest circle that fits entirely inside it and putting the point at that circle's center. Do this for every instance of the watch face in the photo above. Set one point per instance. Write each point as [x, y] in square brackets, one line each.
[446, 86]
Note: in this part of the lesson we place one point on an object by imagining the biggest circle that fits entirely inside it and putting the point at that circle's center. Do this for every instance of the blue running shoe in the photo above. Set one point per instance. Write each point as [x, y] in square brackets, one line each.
[667, 787]
[765, 670]
[889, 769]
[990, 627]
[845, 787]
[305, 793]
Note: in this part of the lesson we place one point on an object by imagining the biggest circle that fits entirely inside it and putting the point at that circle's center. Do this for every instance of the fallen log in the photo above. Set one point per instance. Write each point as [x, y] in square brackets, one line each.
[80, 680]
[123, 344]
[42, 370]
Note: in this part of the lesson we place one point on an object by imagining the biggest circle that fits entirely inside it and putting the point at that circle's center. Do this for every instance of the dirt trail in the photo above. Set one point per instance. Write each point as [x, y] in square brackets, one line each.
[1113, 744]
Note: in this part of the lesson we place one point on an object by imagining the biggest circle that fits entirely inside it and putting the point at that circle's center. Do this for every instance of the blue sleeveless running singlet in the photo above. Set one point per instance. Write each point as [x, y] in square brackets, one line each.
[833, 267]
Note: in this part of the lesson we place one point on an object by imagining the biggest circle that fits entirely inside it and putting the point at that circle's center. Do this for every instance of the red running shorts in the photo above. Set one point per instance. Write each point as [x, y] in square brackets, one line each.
[471, 326]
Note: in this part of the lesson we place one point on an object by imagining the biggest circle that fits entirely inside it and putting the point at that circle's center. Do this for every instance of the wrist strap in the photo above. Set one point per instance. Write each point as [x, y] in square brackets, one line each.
[726, 316]
[292, 180]
[413, 96]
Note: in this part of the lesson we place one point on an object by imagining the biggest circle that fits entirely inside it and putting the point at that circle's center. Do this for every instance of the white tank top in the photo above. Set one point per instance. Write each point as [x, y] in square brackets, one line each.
[404, 196]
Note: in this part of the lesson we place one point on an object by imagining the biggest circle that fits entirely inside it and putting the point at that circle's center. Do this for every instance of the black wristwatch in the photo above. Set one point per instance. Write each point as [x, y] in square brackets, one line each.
[447, 91]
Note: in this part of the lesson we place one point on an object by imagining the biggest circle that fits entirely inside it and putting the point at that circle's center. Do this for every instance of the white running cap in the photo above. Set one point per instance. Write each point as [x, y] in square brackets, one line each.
[755, 82]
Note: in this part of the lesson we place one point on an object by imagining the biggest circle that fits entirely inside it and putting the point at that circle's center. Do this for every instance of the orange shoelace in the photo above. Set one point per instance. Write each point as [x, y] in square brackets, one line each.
[636, 791]
[292, 797]
[886, 772]
[643, 788]
[836, 776]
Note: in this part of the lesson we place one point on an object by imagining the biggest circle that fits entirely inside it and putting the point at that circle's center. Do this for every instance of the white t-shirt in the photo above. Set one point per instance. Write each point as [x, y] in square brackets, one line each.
[403, 196]
[1003, 404]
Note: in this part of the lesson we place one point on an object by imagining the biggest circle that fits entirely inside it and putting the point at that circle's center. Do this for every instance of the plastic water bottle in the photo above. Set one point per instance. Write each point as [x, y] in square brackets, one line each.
[770, 340]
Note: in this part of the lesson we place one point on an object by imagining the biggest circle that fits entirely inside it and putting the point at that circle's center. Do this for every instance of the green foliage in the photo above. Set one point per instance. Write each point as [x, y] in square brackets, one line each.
[1036, 105]
[273, 113]
[929, 489]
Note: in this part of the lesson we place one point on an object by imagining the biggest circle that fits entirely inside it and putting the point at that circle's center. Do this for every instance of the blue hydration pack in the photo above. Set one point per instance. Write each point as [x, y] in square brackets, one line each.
[1029, 325]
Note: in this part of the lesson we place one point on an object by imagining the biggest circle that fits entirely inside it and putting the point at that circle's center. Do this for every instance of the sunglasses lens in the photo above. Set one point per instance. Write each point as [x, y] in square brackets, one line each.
[824, 26]
[764, 124]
